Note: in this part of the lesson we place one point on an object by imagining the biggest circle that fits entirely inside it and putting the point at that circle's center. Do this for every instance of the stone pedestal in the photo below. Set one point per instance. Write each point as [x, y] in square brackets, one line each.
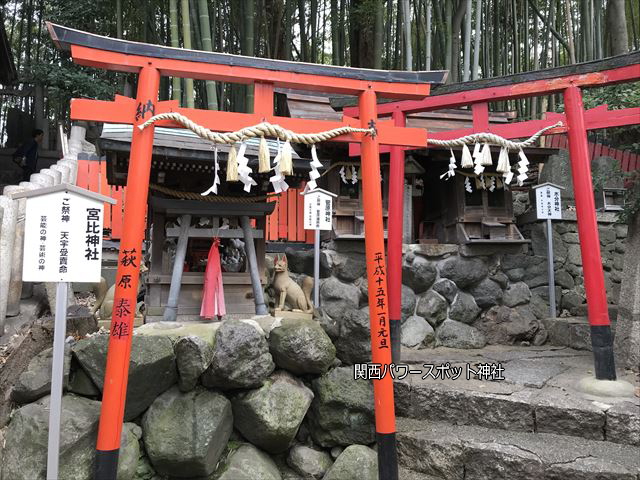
[292, 314]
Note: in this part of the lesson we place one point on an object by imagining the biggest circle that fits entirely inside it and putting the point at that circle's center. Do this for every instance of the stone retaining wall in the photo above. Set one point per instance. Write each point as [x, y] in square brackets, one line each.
[457, 297]
[260, 398]
[570, 294]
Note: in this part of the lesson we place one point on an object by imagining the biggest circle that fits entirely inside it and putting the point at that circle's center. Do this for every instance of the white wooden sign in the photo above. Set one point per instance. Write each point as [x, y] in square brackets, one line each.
[63, 237]
[318, 209]
[548, 203]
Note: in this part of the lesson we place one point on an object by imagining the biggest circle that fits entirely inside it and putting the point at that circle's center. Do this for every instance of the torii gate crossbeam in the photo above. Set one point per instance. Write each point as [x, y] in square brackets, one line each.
[150, 62]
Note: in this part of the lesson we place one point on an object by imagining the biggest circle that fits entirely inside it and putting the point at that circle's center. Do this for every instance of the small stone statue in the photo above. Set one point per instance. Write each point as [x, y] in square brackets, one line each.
[288, 291]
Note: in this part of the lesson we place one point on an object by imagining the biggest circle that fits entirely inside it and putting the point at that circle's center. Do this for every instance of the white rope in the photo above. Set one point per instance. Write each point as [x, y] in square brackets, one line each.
[259, 130]
[492, 139]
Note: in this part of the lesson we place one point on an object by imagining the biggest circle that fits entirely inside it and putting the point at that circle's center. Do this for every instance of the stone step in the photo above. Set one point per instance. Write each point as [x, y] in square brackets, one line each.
[514, 406]
[455, 452]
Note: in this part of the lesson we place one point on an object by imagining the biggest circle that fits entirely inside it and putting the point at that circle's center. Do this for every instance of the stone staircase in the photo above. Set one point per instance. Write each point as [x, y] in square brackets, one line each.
[534, 424]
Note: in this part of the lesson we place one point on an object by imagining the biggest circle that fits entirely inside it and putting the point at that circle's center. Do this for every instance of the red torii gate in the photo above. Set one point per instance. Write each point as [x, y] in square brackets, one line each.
[150, 62]
[567, 81]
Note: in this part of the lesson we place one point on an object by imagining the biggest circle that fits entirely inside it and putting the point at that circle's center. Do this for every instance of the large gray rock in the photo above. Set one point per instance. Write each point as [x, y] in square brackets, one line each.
[248, 463]
[408, 302]
[186, 433]
[416, 331]
[309, 462]
[35, 381]
[464, 271]
[152, 368]
[356, 461]
[516, 294]
[511, 326]
[342, 411]
[25, 452]
[464, 308]
[353, 343]
[241, 358]
[447, 288]
[193, 357]
[486, 293]
[349, 267]
[539, 242]
[270, 416]
[433, 307]
[336, 297]
[129, 451]
[301, 346]
[301, 261]
[459, 335]
[419, 274]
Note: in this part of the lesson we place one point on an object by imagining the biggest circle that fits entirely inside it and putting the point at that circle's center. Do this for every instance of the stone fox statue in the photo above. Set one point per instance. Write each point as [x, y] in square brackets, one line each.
[288, 290]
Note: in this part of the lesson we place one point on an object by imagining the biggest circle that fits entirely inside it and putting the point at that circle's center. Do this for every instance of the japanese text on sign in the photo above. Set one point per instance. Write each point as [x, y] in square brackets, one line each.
[548, 204]
[63, 238]
[318, 209]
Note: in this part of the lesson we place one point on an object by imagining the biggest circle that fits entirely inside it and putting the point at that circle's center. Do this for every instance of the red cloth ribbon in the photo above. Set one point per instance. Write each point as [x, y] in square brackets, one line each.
[213, 293]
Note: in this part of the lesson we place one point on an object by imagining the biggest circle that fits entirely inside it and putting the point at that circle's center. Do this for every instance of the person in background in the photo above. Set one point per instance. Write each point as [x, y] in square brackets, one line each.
[27, 154]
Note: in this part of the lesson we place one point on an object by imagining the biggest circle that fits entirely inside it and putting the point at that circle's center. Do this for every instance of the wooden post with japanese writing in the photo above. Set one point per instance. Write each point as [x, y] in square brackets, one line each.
[62, 244]
[127, 277]
[377, 286]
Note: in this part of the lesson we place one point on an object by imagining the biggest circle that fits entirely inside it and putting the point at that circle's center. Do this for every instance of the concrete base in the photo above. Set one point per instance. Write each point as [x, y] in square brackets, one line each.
[606, 388]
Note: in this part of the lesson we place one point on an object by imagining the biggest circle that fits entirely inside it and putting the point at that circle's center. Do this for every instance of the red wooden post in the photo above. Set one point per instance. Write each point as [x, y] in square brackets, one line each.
[597, 309]
[394, 240]
[480, 118]
[124, 305]
[378, 298]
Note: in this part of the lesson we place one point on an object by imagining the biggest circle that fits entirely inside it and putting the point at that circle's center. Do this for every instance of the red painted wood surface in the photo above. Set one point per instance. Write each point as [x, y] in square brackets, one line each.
[628, 161]
[92, 175]
[286, 223]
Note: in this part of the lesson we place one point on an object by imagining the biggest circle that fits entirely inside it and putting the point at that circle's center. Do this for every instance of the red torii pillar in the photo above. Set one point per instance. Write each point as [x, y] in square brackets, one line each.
[597, 308]
[395, 220]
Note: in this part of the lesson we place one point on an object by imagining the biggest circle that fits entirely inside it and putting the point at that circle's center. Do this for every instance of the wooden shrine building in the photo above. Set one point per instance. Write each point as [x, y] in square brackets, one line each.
[182, 167]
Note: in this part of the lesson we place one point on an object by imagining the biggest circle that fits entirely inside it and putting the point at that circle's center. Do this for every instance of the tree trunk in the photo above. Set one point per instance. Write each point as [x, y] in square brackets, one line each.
[427, 47]
[118, 18]
[342, 34]
[617, 27]
[248, 47]
[448, 49]
[406, 28]
[335, 44]
[377, 35]
[456, 27]
[314, 31]
[175, 42]
[597, 9]
[569, 20]
[495, 38]
[207, 44]
[288, 28]
[466, 65]
[186, 41]
[303, 32]
[476, 40]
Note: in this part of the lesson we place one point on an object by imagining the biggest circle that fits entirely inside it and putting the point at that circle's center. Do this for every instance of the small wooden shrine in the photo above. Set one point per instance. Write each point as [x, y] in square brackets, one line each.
[182, 223]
